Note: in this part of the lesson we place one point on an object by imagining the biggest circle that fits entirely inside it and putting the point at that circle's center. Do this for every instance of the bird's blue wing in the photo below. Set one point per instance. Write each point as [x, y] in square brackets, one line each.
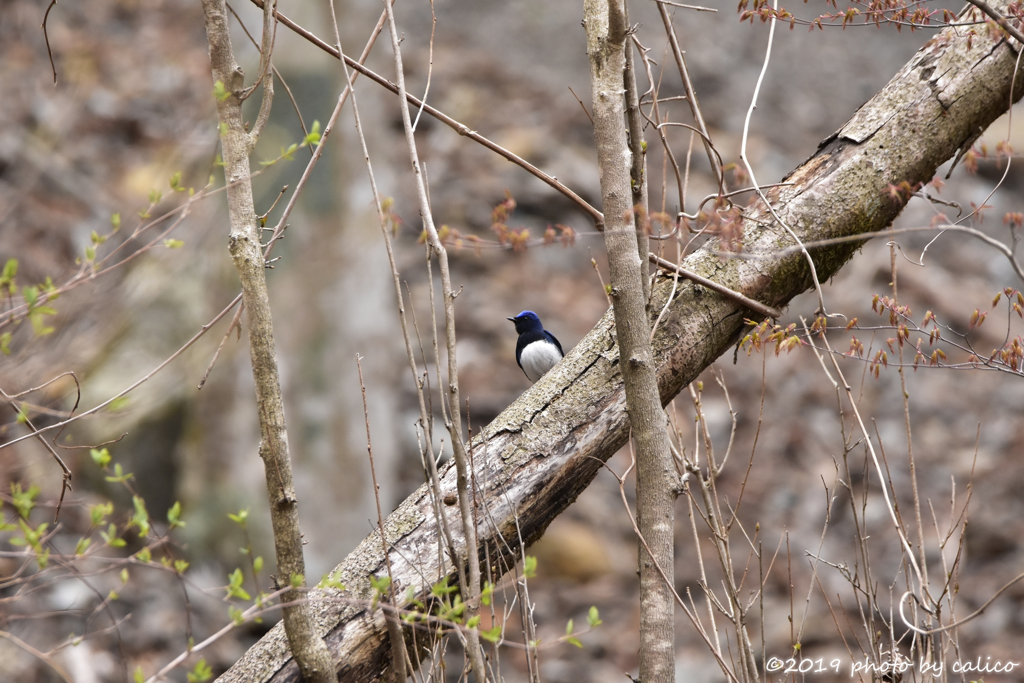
[552, 339]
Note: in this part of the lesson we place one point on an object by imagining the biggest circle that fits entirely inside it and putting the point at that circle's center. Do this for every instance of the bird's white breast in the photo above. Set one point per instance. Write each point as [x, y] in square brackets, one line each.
[537, 358]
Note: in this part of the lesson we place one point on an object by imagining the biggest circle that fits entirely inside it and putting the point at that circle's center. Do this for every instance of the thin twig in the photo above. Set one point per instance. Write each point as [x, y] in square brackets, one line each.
[66, 480]
[398, 653]
[234, 323]
[999, 19]
[874, 457]
[691, 97]
[582, 106]
[471, 588]
[46, 38]
[307, 172]
[460, 128]
[697, 8]
[42, 656]
[750, 170]
[756, 306]
[140, 382]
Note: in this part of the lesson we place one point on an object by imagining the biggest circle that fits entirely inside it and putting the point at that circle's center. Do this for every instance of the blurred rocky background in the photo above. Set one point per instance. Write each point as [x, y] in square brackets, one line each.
[132, 106]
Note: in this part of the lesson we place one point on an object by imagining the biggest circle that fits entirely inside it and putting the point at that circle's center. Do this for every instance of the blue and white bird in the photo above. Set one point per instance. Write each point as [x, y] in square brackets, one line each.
[537, 350]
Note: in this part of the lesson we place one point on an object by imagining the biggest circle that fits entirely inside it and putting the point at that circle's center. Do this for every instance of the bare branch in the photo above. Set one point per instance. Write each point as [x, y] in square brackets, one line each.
[691, 98]
[471, 586]
[459, 128]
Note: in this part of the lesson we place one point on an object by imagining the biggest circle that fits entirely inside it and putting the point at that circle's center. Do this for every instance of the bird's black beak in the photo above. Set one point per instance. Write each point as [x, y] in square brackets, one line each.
[512, 319]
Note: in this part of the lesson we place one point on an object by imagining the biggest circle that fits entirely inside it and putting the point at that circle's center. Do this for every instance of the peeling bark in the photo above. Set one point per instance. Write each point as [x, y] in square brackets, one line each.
[538, 455]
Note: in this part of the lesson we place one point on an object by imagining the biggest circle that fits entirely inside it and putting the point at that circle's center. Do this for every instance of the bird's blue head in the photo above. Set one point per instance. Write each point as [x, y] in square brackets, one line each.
[527, 321]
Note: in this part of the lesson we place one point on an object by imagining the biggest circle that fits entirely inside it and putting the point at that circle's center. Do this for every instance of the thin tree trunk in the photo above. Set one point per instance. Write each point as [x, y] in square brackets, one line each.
[536, 457]
[606, 26]
[306, 645]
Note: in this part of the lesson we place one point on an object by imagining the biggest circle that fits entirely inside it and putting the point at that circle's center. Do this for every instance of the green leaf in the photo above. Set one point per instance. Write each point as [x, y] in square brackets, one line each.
[10, 270]
[31, 295]
[50, 288]
[144, 555]
[175, 182]
[485, 595]
[124, 575]
[330, 581]
[155, 196]
[110, 537]
[100, 456]
[141, 516]
[313, 138]
[240, 518]
[257, 565]
[118, 403]
[173, 243]
[180, 566]
[201, 672]
[119, 475]
[530, 566]
[24, 501]
[492, 635]
[220, 92]
[97, 238]
[39, 325]
[90, 253]
[474, 622]
[380, 583]
[454, 612]
[297, 580]
[573, 640]
[593, 618]
[236, 615]
[5, 343]
[568, 628]
[234, 588]
[115, 222]
[82, 545]
[31, 536]
[174, 515]
[138, 676]
[441, 588]
[99, 512]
